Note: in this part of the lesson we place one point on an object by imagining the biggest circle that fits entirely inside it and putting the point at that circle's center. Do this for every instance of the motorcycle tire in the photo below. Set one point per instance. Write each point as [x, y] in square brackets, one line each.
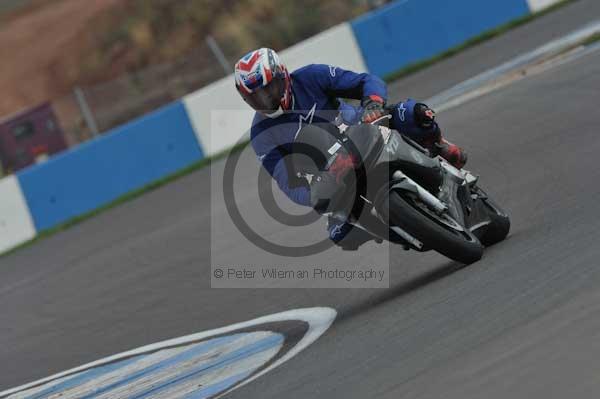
[499, 227]
[461, 247]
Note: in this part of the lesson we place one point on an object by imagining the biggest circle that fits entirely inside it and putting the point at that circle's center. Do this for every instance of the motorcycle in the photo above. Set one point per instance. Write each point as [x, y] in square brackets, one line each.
[398, 192]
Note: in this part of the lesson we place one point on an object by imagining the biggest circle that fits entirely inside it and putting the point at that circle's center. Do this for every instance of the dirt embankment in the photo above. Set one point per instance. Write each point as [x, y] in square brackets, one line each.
[49, 46]
[38, 49]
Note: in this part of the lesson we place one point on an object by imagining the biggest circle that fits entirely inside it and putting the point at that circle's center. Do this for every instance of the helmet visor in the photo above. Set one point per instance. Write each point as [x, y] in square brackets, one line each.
[266, 99]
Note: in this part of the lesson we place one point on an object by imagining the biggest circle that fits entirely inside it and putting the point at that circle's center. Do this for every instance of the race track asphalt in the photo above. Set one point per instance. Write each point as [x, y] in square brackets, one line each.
[521, 323]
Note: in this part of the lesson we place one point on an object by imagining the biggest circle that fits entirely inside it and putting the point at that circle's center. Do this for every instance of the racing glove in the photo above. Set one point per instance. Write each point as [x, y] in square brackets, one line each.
[424, 116]
[373, 108]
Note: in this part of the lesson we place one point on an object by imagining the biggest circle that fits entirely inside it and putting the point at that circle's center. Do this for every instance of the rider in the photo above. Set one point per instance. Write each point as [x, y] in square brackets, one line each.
[284, 102]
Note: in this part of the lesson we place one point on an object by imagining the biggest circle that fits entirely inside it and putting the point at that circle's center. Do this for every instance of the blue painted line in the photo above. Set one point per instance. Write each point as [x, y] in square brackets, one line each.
[195, 351]
[83, 377]
[214, 389]
[235, 356]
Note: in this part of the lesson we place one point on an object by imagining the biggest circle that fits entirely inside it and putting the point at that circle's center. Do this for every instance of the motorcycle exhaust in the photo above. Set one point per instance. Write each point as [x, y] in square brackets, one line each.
[428, 198]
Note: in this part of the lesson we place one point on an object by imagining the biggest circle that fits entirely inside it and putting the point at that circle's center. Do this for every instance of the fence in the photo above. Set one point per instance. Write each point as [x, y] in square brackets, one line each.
[132, 95]
[119, 100]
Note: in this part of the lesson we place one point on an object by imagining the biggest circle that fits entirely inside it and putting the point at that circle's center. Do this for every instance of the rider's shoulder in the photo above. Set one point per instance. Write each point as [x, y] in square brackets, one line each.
[310, 70]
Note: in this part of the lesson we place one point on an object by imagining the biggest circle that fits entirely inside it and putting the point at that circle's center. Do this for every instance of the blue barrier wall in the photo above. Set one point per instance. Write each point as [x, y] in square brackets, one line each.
[101, 170]
[409, 31]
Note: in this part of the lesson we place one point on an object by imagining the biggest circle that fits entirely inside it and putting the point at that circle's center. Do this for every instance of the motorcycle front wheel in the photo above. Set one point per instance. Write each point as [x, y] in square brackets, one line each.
[438, 232]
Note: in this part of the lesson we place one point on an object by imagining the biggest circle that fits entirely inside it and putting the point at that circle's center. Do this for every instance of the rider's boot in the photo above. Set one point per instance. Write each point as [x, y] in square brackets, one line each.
[431, 137]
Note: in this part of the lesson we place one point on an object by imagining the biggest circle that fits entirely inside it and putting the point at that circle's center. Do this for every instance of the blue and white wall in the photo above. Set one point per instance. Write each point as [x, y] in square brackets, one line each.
[407, 32]
[540, 5]
[99, 171]
[173, 137]
[16, 224]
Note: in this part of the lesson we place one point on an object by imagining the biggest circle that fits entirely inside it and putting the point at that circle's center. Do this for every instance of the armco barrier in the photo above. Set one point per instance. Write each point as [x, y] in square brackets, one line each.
[335, 46]
[101, 170]
[410, 31]
[16, 225]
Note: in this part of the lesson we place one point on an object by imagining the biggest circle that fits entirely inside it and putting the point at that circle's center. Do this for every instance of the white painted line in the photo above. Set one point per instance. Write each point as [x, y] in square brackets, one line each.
[448, 98]
[226, 364]
[518, 75]
[539, 5]
[319, 321]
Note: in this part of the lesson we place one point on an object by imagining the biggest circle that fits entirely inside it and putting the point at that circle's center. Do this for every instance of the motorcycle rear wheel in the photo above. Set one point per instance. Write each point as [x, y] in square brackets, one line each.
[499, 227]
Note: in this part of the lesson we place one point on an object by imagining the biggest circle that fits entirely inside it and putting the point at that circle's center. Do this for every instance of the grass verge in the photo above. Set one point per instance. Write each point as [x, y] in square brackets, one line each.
[591, 40]
[207, 161]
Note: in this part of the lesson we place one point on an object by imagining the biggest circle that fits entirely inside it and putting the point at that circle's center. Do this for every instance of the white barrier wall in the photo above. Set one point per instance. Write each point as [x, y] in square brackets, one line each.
[214, 99]
[335, 46]
[538, 5]
[16, 225]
